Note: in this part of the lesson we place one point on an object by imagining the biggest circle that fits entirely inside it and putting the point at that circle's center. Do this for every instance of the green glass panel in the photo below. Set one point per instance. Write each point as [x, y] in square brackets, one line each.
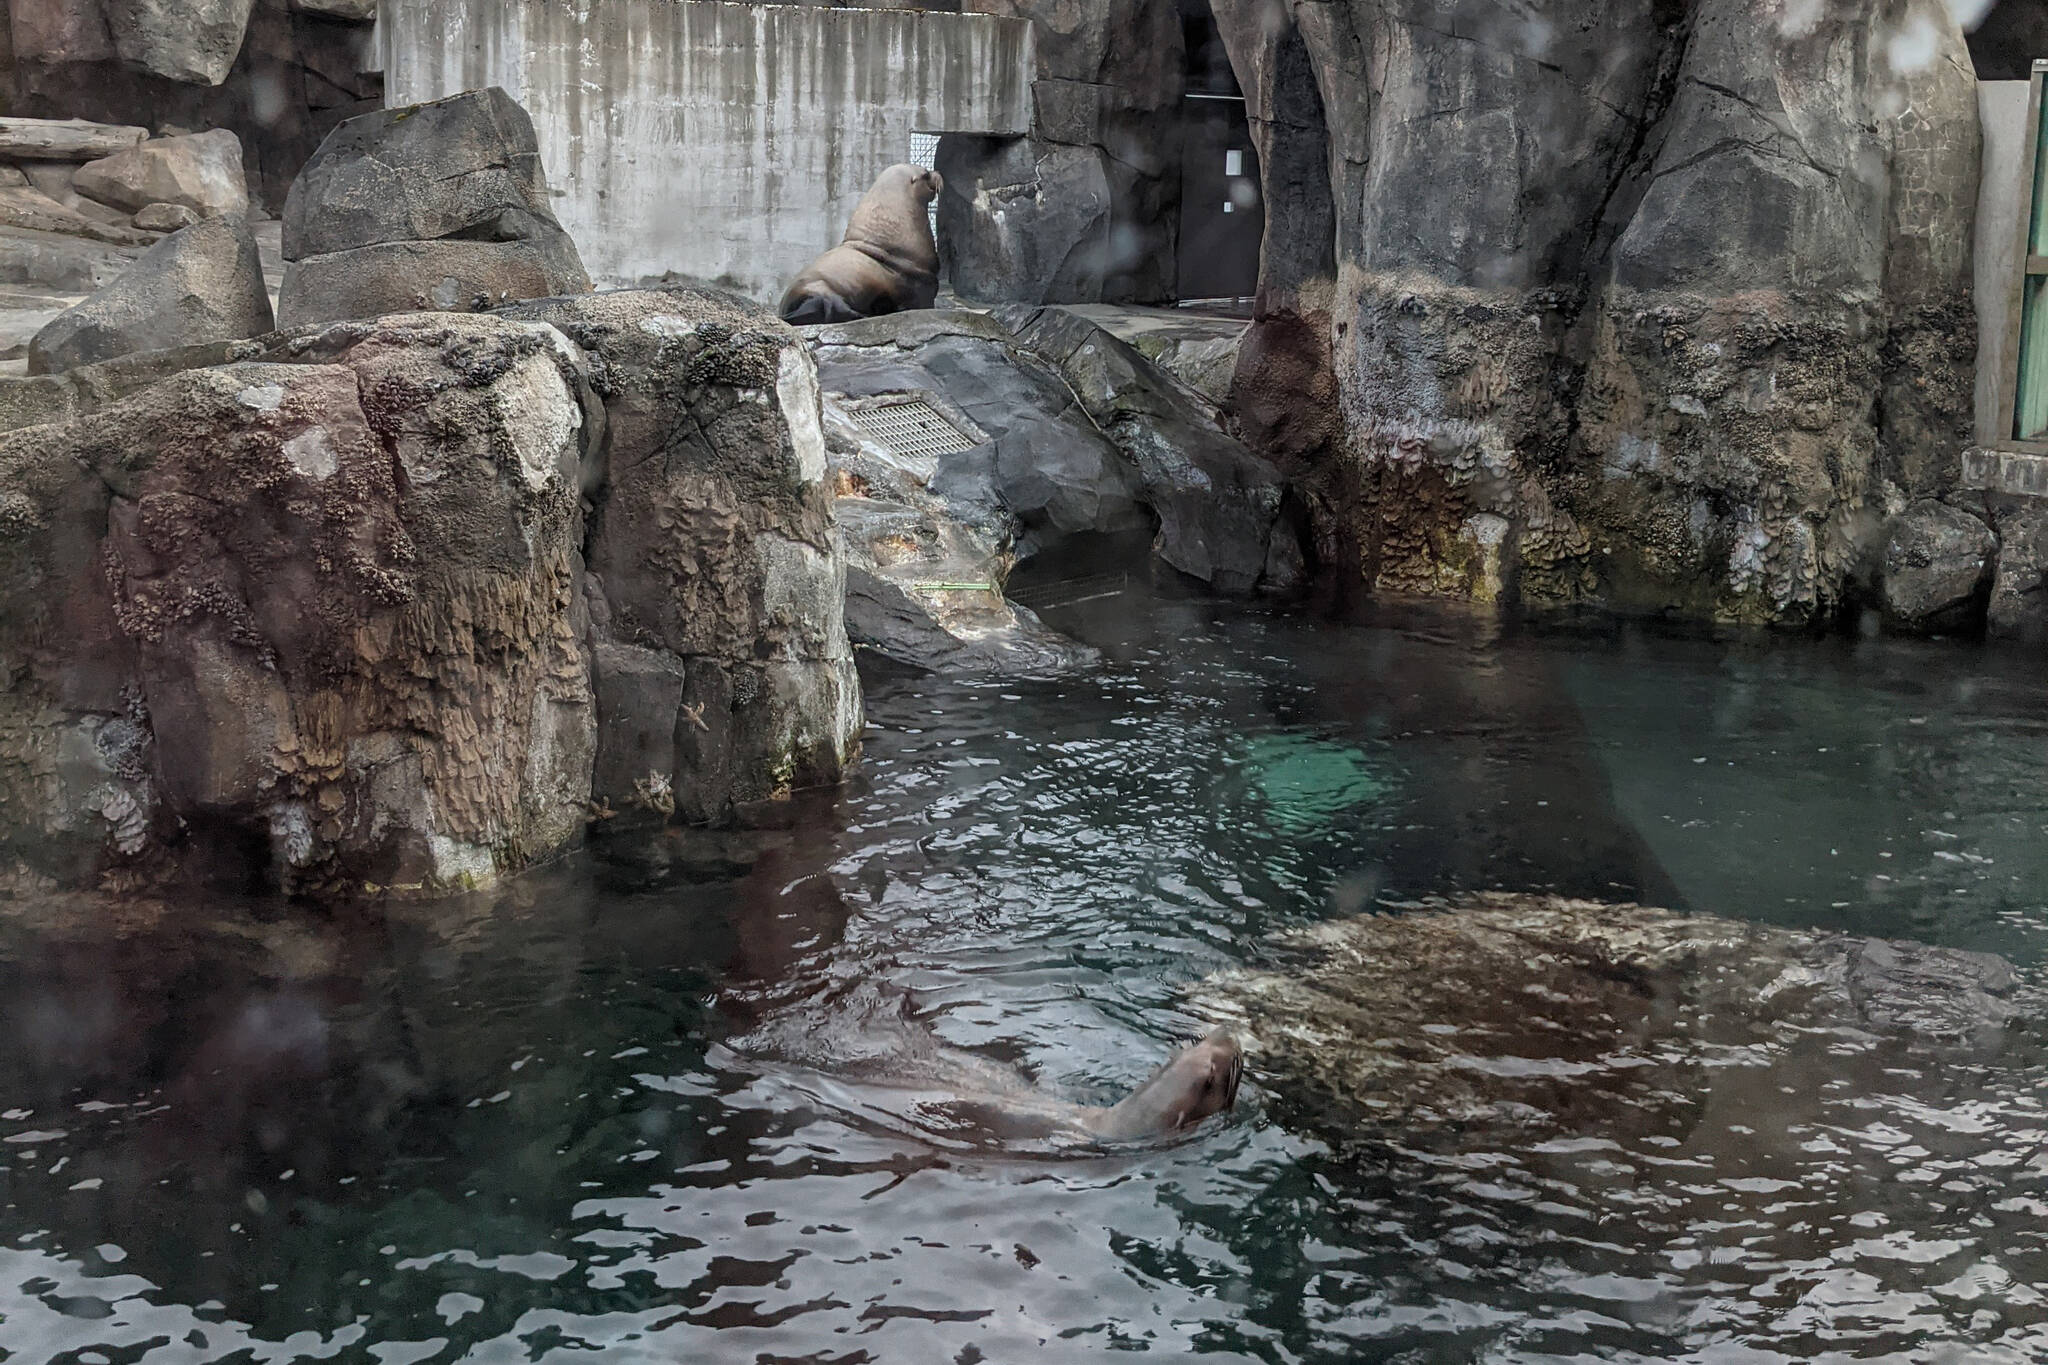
[2037, 235]
[2030, 411]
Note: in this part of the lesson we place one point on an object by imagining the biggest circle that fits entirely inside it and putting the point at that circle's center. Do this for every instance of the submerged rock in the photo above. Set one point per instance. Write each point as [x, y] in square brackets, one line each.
[201, 284]
[1523, 1018]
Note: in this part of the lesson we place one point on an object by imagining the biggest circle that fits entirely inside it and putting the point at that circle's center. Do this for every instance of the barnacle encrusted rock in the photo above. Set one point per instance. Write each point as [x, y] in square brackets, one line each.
[320, 619]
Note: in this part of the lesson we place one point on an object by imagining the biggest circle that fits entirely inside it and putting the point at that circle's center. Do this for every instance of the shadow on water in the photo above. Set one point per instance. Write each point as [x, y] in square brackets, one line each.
[542, 1123]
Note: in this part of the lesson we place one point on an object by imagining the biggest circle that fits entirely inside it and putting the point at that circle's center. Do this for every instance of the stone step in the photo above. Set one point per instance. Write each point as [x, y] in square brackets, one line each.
[71, 139]
[2012, 472]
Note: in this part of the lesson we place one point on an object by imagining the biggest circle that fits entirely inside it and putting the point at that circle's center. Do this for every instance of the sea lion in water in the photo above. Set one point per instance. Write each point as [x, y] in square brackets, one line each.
[1200, 1080]
[886, 263]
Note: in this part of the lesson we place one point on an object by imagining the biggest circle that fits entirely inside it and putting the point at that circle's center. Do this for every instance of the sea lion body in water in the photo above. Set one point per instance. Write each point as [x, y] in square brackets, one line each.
[886, 263]
[1198, 1081]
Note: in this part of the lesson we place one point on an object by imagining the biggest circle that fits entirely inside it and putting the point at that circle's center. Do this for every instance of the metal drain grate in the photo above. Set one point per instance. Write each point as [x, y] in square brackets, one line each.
[913, 428]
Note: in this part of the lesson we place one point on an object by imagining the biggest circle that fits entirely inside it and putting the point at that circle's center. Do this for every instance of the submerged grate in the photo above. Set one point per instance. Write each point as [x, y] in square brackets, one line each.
[913, 428]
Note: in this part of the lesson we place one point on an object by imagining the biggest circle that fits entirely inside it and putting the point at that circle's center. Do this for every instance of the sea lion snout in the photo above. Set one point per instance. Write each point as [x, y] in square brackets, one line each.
[1220, 1063]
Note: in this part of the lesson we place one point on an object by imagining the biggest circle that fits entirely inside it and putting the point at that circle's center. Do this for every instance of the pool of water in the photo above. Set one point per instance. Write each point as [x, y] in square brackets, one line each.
[619, 1110]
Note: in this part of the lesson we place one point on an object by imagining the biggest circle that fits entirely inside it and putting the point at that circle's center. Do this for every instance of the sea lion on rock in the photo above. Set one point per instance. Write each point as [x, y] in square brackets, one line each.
[886, 263]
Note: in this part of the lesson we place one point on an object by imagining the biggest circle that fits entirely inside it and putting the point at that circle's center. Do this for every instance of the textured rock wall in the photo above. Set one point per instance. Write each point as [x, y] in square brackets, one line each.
[401, 606]
[1085, 208]
[1661, 304]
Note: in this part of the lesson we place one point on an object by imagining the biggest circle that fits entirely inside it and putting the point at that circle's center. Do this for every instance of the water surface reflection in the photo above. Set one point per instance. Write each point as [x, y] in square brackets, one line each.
[528, 1126]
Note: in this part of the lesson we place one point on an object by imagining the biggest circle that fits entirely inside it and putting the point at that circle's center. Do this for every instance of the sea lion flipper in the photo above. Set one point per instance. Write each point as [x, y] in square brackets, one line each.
[812, 310]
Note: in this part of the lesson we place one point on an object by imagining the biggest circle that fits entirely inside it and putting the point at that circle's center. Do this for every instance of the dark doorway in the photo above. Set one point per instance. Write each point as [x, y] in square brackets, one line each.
[1222, 212]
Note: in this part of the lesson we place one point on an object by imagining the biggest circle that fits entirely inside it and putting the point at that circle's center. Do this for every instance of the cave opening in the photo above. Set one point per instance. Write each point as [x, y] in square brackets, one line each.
[1222, 204]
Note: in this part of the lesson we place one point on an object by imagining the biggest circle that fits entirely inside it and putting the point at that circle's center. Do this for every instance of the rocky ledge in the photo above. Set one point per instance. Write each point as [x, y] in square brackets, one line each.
[401, 606]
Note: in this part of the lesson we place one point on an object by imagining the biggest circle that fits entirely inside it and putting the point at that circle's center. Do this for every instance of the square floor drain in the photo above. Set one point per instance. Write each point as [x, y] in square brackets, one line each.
[913, 428]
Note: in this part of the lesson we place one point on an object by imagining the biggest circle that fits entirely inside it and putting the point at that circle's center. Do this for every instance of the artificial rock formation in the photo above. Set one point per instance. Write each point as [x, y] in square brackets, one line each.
[1074, 434]
[201, 171]
[203, 283]
[1619, 302]
[278, 73]
[925, 577]
[319, 617]
[716, 586]
[1937, 567]
[1083, 208]
[436, 206]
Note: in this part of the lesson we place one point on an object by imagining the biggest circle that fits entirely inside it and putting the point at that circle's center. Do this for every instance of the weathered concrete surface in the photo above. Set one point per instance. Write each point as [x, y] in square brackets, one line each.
[1659, 314]
[720, 142]
[2001, 195]
[202, 284]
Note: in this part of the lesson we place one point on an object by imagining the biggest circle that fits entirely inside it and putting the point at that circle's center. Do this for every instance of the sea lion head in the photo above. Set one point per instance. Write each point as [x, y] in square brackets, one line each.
[894, 218]
[1200, 1080]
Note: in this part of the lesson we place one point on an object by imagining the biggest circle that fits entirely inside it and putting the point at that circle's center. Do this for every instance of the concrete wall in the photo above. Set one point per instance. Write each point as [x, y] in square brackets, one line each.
[724, 142]
[2003, 107]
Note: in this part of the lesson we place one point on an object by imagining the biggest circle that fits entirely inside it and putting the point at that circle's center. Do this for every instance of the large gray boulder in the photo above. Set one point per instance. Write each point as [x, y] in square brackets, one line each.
[193, 41]
[397, 277]
[1219, 505]
[201, 284]
[1938, 565]
[464, 167]
[436, 206]
[1022, 221]
[202, 171]
[1039, 459]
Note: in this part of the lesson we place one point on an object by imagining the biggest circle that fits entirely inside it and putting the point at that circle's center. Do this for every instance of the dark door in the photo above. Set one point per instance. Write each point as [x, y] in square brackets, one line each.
[1222, 213]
